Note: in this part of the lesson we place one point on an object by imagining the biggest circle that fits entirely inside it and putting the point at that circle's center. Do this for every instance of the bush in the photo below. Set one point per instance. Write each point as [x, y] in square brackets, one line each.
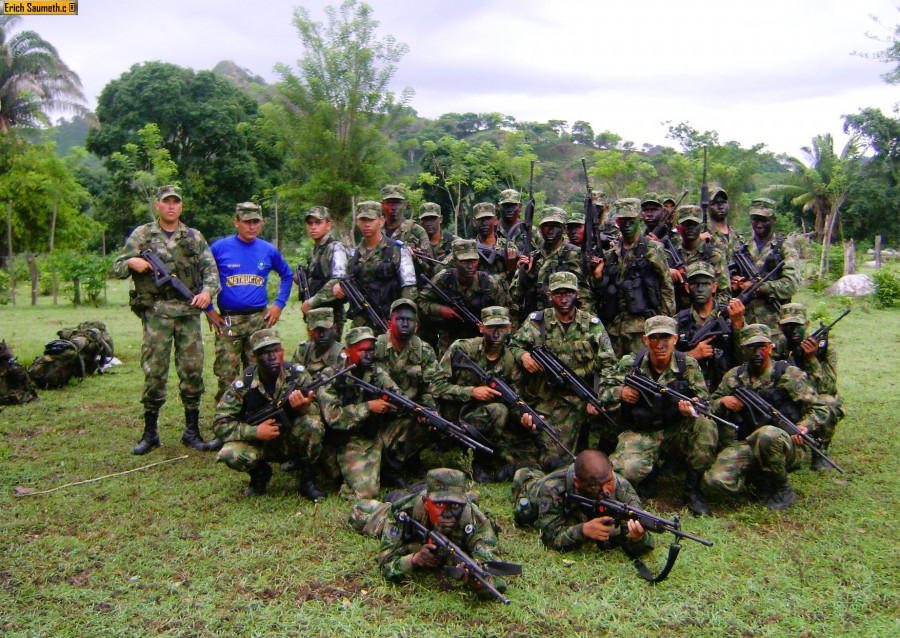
[82, 273]
[887, 288]
[835, 266]
[4, 287]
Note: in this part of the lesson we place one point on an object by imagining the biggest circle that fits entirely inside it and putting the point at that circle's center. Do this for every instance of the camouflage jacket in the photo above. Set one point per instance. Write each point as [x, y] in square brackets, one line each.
[345, 407]
[453, 384]
[412, 368]
[186, 253]
[626, 260]
[305, 355]
[566, 257]
[327, 262]
[410, 233]
[440, 251]
[475, 535]
[729, 242]
[715, 257]
[821, 371]
[562, 530]
[485, 290]
[782, 288]
[692, 379]
[492, 257]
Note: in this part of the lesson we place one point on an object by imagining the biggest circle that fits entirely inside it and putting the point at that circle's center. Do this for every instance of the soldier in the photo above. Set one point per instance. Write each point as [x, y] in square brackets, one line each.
[250, 448]
[634, 282]
[653, 213]
[575, 228]
[445, 507]
[167, 317]
[327, 262]
[722, 233]
[474, 288]
[353, 419]
[510, 206]
[323, 350]
[244, 262]
[668, 204]
[541, 502]
[606, 223]
[818, 361]
[766, 251]
[652, 422]
[497, 255]
[15, 386]
[580, 340]
[477, 405]
[759, 452]
[412, 365]
[393, 203]
[439, 241]
[691, 250]
[383, 271]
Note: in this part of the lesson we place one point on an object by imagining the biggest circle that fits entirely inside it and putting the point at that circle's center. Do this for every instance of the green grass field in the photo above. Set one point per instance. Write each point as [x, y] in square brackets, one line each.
[176, 551]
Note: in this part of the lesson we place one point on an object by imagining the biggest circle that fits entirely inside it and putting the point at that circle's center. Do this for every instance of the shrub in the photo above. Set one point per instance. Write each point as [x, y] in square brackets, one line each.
[887, 288]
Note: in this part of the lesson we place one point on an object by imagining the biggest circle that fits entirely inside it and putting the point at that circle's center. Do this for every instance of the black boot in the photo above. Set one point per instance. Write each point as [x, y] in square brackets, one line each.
[480, 473]
[150, 439]
[259, 479]
[191, 435]
[391, 472]
[692, 494]
[649, 487]
[308, 486]
[782, 494]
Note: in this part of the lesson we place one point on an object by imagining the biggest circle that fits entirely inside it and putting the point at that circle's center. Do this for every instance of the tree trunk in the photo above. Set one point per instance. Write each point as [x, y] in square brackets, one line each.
[826, 239]
[76, 284]
[849, 258]
[9, 252]
[33, 271]
[878, 251]
[53, 218]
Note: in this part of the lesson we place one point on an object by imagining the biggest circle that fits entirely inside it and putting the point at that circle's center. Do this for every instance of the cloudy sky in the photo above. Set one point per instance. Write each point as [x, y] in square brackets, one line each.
[776, 72]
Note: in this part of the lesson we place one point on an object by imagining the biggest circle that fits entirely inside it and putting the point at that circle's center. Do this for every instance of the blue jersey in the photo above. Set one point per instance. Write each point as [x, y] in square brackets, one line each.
[243, 271]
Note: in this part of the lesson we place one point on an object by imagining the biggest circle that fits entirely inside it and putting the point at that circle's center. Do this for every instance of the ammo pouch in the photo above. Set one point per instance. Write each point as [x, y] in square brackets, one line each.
[636, 302]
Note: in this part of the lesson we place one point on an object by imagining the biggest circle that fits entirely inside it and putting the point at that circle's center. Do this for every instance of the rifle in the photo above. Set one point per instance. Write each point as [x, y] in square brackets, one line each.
[454, 552]
[755, 404]
[821, 333]
[360, 303]
[589, 244]
[743, 267]
[530, 297]
[302, 277]
[508, 396]
[558, 373]
[459, 306]
[645, 385]
[435, 420]
[162, 275]
[278, 410]
[419, 253]
[704, 192]
[662, 228]
[672, 255]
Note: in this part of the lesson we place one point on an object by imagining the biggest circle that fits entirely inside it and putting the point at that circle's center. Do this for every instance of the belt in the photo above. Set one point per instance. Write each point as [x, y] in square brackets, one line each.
[241, 313]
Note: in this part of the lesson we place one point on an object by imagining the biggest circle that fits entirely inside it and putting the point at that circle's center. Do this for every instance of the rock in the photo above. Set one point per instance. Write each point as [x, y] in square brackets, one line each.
[852, 286]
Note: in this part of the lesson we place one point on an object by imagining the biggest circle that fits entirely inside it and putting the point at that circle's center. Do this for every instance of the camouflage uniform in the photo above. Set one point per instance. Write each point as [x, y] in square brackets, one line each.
[409, 232]
[729, 242]
[440, 251]
[562, 530]
[306, 355]
[15, 386]
[583, 344]
[327, 262]
[709, 252]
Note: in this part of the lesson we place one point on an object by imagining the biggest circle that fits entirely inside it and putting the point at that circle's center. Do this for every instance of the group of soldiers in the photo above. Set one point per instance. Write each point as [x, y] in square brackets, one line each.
[535, 356]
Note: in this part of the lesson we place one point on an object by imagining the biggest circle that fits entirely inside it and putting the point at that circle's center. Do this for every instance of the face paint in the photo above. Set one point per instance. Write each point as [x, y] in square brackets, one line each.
[362, 353]
[402, 324]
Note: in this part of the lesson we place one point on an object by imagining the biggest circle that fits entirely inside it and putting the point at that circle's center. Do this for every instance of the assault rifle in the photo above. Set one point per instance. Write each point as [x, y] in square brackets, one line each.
[278, 410]
[674, 257]
[302, 277]
[459, 306]
[663, 229]
[163, 275]
[530, 298]
[462, 361]
[761, 411]
[704, 193]
[559, 373]
[464, 563]
[821, 333]
[435, 420]
[743, 266]
[590, 246]
[647, 386]
[418, 253]
[360, 303]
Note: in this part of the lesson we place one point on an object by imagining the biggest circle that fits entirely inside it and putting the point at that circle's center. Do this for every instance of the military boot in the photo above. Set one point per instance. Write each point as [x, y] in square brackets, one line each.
[150, 439]
[649, 487]
[391, 470]
[692, 494]
[191, 435]
[782, 496]
[259, 479]
[308, 487]
[480, 473]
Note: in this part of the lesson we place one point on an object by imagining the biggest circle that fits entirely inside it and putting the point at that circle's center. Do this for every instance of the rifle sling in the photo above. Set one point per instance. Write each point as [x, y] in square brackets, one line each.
[645, 573]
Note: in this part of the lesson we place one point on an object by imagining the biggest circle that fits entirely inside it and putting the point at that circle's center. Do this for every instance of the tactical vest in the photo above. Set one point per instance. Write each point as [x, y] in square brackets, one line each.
[186, 268]
[447, 283]
[772, 259]
[255, 399]
[714, 367]
[382, 285]
[317, 277]
[661, 411]
[779, 398]
[558, 264]
[639, 290]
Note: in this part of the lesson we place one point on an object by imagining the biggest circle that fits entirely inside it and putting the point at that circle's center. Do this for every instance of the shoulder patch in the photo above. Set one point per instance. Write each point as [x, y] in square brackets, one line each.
[595, 319]
[297, 368]
[393, 532]
[237, 384]
[469, 529]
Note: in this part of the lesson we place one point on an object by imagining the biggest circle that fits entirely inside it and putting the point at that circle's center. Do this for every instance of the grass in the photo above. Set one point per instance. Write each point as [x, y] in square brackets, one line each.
[176, 551]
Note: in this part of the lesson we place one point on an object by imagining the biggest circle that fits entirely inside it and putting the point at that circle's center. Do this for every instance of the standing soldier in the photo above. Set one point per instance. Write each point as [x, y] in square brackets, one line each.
[167, 317]
[393, 203]
[327, 263]
[497, 255]
[722, 233]
[510, 207]
[439, 241]
[635, 283]
[244, 262]
[575, 228]
[692, 250]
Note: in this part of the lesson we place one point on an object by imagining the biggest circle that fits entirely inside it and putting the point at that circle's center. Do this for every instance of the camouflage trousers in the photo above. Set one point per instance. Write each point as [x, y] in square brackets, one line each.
[401, 439]
[512, 443]
[835, 405]
[233, 352]
[768, 451]
[302, 444]
[160, 333]
[567, 415]
[760, 311]
[357, 461]
[625, 332]
[637, 453]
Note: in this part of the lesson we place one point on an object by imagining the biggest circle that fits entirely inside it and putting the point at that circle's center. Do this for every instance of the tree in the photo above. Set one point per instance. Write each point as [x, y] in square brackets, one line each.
[332, 114]
[623, 173]
[582, 133]
[607, 140]
[33, 79]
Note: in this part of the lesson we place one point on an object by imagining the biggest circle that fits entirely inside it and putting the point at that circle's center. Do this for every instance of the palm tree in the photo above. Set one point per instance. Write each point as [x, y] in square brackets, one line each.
[33, 79]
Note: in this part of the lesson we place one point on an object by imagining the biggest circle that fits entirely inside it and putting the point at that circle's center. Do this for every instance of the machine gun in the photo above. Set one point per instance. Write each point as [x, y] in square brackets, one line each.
[761, 411]
[646, 386]
[462, 361]
[163, 275]
[467, 436]
[360, 303]
[450, 551]
[459, 306]
[278, 410]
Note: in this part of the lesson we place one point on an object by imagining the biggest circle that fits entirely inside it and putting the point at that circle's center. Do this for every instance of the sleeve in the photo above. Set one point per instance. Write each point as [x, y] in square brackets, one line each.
[610, 391]
[443, 385]
[524, 339]
[723, 291]
[133, 246]
[227, 424]
[815, 412]
[785, 286]
[657, 257]
[337, 263]
[209, 272]
[556, 531]
[429, 372]
[395, 555]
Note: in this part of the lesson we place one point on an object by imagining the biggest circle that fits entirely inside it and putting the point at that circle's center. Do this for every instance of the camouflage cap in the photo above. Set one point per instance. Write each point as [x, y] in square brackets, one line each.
[429, 209]
[464, 249]
[319, 212]
[660, 325]
[762, 207]
[755, 333]
[443, 484]
[651, 198]
[575, 218]
[510, 196]
[320, 318]
[246, 211]
[668, 198]
[563, 279]
[690, 212]
[357, 334]
[700, 269]
[598, 193]
[169, 190]
[628, 207]
[495, 316]
[368, 210]
[553, 214]
[484, 209]
[403, 301]
[792, 313]
[393, 191]
[717, 190]
[265, 337]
